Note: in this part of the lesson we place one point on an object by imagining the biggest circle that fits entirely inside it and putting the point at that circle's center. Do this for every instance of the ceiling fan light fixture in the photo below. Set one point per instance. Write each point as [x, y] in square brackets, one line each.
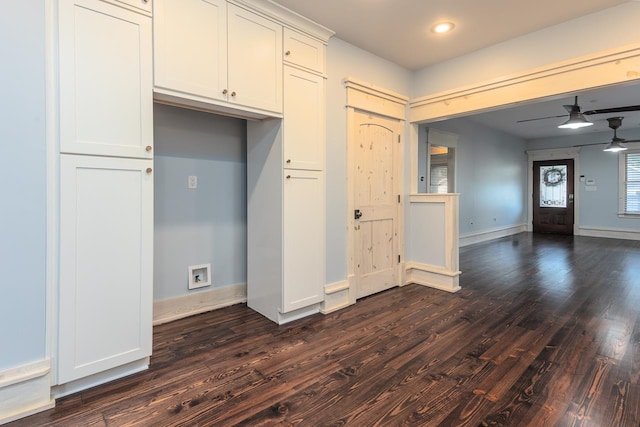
[614, 147]
[576, 121]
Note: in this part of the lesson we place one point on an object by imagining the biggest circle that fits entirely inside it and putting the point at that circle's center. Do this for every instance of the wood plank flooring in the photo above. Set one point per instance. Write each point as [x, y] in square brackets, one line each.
[545, 332]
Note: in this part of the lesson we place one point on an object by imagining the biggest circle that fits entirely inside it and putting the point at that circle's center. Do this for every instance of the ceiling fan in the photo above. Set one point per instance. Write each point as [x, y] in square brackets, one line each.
[576, 117]
[616, 142]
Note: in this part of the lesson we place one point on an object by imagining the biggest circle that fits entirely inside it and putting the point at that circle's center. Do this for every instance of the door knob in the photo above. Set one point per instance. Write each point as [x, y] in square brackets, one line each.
[357, 214]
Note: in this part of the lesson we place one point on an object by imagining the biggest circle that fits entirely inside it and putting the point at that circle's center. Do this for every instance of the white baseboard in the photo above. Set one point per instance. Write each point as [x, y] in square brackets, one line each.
[297, 314]
[100, 378]
[198, 302]
[25, 390]
[609, 233]
[433, 277]
[491, 234]
[336, 297]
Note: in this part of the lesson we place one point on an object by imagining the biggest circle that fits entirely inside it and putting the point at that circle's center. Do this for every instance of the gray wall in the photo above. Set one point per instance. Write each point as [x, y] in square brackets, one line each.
[203, 225]
[598, 209]
[491, 176]
[23, 170]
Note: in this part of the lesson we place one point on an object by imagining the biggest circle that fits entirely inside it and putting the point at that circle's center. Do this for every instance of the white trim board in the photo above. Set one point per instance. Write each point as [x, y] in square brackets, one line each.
[608, 233]
[433, 277]
[25, 390]
[602, 69]
[336, 297]
[168, 310]
[491, 234]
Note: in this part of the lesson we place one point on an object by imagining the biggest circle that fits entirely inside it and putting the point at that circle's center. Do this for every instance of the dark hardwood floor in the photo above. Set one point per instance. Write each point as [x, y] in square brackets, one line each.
[545, 332]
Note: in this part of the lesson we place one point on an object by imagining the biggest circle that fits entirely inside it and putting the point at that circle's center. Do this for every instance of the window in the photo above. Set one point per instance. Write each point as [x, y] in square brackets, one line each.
[437, 162]
[441, 171]
[629, 203]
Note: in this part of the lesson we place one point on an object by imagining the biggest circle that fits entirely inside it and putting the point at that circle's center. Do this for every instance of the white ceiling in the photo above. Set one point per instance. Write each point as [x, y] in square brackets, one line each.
[400, 31]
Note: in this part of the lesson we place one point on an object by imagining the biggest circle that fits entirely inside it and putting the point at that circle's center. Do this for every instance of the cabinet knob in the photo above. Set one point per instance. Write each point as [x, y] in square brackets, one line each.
[149, 148]
[233, 93]
[149, 170]
[224, 92]
[288, 160]
[287, 53]
[145, 1]
[288, 176]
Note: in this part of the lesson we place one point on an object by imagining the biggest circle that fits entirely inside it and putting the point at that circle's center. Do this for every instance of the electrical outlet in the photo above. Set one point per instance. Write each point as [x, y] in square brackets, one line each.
[193, 181]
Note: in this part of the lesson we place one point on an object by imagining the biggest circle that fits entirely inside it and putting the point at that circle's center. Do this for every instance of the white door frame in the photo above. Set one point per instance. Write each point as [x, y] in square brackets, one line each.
[364, 97]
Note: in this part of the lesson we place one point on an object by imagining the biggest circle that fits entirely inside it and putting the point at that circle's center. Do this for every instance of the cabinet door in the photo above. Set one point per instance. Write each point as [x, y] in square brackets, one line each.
[255, 60]
[106, 98]
[106, 264]
[144, 5]
[303, 240]
[304, 120]
[190, 46]
[304, 51]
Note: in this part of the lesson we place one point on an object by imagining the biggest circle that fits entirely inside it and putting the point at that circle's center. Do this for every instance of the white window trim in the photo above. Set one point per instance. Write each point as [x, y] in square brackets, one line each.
[622, 175]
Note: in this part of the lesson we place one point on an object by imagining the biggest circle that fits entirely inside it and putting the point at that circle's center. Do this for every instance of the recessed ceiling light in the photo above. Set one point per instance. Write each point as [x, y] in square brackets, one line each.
[443, 27]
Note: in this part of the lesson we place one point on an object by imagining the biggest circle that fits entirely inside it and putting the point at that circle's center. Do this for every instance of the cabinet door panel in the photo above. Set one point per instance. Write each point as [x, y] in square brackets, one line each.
[106, 98]
[254, 60]
[190, 46]
[304, 51]
[303, 239]
[304, 120]
[106, 264]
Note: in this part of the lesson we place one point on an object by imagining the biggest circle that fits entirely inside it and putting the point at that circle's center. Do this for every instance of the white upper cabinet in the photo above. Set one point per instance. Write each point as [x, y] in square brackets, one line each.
[190, 47]
[304, 135]
[210, 53]
[142, 5]
[255, 60]
[105, 74]
[304, 51]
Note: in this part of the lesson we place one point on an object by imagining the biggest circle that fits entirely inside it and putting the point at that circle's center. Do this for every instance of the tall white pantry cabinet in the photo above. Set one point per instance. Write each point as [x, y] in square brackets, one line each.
[245, 58]
[105, 128]
[286, 192]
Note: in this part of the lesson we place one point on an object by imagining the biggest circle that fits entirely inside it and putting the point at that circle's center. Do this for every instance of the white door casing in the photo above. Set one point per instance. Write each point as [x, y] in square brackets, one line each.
[376, 240]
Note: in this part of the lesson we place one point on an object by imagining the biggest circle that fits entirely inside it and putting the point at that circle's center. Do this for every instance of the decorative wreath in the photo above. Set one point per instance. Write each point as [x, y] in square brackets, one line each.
[553, 177]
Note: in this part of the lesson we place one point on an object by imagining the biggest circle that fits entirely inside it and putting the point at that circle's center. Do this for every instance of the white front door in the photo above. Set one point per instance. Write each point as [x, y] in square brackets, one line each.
[376, 203]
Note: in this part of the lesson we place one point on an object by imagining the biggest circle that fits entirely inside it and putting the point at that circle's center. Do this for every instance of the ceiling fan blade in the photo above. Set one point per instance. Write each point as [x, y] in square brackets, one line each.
[540, 118]
[595, 143]
[622, 141]
[613, 110]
